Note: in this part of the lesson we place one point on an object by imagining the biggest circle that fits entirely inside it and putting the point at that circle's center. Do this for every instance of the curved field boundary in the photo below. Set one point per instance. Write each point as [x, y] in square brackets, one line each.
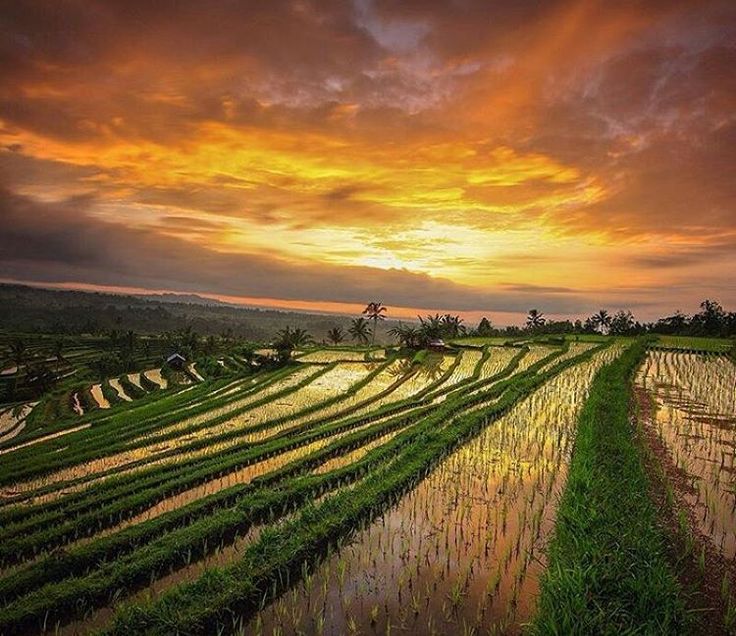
[110, 443]
[204, 443]
[156, 409]
[441, 416]
[281, 555]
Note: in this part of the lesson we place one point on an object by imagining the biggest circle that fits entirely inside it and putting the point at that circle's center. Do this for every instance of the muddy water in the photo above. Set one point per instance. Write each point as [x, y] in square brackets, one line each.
[695, 417]
[535, 354]
[118, 388]
[325, 355]
[463, 551]
[154, 375]
[325, 388]
[387, 380]
[5, 437]
[135, 380]
[469, 359]
[101, 400]
[497, 361]
[356, 455]
[240, 476]
[11, 417]
[574, 349]
[284, 383]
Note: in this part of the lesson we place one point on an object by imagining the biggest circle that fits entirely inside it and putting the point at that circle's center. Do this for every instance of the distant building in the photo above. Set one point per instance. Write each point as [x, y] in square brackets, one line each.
[437, 344]
[176, 361]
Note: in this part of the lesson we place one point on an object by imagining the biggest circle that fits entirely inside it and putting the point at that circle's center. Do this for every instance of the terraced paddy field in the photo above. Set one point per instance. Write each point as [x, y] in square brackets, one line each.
[423, 494]
[693, 416]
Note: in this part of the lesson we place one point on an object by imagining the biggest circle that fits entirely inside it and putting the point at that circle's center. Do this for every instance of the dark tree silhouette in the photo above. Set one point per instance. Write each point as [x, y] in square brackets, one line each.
[601, 320]
[535, 319]
[289, 339]
[374, 311]
[360, 330]
[336, 335]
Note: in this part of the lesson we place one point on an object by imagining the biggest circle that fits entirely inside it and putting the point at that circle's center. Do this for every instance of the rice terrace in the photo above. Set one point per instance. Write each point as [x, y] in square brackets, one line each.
[367, 317]
[441, 480]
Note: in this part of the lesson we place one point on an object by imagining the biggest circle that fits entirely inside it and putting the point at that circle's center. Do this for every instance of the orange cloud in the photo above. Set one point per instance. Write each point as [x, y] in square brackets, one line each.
[575, 145]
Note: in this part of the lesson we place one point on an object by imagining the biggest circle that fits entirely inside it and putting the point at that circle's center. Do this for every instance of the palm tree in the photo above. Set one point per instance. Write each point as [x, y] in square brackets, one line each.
[407, 336]
[289, 339]
[535, 319]
[359, 330]
[431, 327]
[374, 310]
[622, 323]
[452, 326]
[336, 335]
[601, 320]
[484, 327]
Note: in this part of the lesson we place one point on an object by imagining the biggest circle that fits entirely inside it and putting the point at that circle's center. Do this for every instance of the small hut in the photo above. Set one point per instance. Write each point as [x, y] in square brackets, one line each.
[437, 344]
[176, 361]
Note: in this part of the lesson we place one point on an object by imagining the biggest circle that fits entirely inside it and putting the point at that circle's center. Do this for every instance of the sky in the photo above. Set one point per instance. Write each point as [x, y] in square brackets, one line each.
[477, 157]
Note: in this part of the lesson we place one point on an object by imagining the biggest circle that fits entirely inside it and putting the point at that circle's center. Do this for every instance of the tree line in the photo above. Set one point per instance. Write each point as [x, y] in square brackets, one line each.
[712, 320]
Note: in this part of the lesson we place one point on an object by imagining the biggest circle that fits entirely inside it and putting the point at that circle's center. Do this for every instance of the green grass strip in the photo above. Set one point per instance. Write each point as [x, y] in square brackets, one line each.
[58, 517]
[158, 473]
[608, 571]
[57, 462]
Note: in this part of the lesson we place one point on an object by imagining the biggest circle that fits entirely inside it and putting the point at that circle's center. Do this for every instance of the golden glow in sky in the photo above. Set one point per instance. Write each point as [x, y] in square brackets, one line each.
[477, 158]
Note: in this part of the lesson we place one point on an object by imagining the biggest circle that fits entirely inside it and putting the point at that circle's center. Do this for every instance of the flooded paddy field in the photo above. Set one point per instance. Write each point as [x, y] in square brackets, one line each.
[427, 489]
[461, 553]
[694, 415]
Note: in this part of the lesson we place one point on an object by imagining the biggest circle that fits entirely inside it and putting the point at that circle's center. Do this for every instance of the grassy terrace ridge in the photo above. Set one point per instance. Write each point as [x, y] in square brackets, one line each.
[196, 470]
[118, 436]
[166, 406]
[61, 522]
[111, 443]
[223, 513]
[693, 344]
[157, 404]
[81, 591]
[608, 571]
[314, 429]
[132, 537]
[158, 407]
[269, 565]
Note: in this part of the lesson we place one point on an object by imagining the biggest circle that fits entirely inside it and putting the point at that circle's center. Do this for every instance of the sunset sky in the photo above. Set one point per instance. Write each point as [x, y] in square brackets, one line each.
[475, 157]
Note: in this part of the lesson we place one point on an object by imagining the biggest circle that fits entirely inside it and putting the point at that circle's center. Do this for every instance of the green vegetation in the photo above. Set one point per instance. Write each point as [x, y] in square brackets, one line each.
[694, 343]
[249, 485]
[282, 553]
[608, 570]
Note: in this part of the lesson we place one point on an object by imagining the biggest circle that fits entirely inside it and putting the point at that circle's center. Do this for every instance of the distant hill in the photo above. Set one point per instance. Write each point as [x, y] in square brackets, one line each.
[190, 299]
[34, 309]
